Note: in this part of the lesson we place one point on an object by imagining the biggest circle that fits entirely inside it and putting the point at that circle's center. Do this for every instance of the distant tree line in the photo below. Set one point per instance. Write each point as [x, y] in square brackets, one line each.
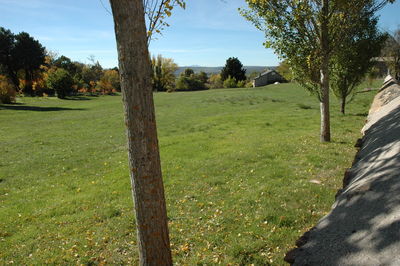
[232, 75]
[27, 68]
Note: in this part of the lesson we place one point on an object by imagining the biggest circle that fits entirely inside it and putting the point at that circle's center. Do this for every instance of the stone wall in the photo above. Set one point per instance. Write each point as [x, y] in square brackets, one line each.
[267, 78]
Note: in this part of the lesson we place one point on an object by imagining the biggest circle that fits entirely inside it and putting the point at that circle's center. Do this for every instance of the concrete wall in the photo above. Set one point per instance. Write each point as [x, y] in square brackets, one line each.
[363, 227]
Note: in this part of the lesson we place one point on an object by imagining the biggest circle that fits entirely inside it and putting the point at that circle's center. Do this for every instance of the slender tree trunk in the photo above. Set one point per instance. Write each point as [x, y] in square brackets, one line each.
[28, 83]
[343, 106]
[144, 159]
[324, 104]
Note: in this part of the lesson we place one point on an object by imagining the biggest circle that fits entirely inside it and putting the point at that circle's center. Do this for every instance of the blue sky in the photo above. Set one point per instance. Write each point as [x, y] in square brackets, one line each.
[206, 33]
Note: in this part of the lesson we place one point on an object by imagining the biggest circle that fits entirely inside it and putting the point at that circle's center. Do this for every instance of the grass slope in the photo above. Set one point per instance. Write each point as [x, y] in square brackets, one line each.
[236, 163]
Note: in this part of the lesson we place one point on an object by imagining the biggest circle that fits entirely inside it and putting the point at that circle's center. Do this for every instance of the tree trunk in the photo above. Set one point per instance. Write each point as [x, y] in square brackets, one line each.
[144, 159]
[14, 79]
[28, 83]
[324, 104]
[343, 106]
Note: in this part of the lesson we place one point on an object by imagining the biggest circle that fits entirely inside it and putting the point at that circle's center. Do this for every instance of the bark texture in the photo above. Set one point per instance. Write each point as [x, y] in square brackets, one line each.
[324, 104]
[144, 159]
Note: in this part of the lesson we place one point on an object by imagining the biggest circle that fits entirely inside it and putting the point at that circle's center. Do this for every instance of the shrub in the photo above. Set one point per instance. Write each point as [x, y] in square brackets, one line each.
[188, 72]
[105, 88]
[188, 81]
[230, 83]
[109, 83]
[202, 76]
[191, 83]
[61, 82]
[7, 91]
[215, 81]
[249, 84]
[241, 84]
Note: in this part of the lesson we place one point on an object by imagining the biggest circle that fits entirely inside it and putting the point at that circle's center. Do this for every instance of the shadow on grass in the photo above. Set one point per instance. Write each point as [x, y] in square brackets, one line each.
[37, 108]
[78, 98]
[359, 114]
[340, 142]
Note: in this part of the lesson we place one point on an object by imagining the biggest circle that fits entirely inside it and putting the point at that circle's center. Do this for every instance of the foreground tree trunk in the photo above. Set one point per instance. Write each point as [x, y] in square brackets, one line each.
[324, 104]
[144, 159]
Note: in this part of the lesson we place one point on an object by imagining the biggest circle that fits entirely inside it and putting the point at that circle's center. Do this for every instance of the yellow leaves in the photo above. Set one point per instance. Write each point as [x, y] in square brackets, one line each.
[309, 61]
[217, 213]
[185, 247]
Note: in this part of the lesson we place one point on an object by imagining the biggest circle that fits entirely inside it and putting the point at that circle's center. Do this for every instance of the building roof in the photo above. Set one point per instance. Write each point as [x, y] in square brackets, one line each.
[265, 73]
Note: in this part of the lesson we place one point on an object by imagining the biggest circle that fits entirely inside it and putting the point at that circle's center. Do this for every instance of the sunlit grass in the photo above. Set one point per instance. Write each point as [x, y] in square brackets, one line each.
[237, 165]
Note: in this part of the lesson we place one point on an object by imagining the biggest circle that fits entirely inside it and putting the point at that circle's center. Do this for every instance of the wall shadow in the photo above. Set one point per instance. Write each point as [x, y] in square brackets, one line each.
[364, 226]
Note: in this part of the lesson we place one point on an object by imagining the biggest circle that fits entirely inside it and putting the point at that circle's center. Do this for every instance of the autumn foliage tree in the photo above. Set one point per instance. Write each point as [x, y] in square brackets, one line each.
[7, 91]
[109, 82]
[163, 70]
[21, 53]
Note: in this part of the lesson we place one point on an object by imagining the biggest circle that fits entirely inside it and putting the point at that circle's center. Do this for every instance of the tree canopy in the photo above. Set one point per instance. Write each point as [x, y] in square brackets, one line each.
[20, 52]
[163, 73]
[353, 58]
[233, 68]
[306, 34]
[156, 12]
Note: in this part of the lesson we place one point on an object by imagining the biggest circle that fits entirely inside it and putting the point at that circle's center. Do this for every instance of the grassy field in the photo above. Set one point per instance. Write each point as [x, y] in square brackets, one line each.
[237, 166]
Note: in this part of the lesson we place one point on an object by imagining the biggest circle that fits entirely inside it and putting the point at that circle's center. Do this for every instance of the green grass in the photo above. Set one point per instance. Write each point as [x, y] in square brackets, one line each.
[236, 164]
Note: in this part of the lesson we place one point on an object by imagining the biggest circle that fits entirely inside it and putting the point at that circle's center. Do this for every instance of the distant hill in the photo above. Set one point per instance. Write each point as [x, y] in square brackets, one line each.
[216, 70]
